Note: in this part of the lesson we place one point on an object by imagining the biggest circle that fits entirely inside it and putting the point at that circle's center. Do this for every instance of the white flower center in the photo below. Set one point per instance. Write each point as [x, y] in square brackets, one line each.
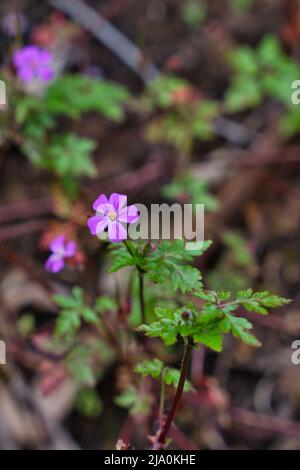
[112, 216]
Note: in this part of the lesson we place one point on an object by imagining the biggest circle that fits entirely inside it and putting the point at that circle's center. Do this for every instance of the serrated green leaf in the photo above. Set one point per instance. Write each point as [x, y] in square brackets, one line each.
[240, 327]
[244, 60]
[165, 264]
[244, 93]
[73, 95]
[211, 338]
[69, 155]
[196, 190]
[172, 378]
[161, 90]
[89, 315]
[68, 323]
[120, 258]
[105, 304]
[152, 367]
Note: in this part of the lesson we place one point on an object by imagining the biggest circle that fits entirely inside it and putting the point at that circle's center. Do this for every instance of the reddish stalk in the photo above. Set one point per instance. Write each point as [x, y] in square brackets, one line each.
[161, 440]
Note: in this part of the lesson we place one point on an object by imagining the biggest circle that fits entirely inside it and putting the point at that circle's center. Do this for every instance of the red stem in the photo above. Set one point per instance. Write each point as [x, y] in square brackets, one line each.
[172, 413]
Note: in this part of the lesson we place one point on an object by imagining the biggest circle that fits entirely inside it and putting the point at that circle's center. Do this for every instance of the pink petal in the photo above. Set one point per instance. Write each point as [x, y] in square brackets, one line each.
[54, 264]
[102, 199]
[97, 224]
[46, 74]
[129, 215]
[45, 57]
[104, 209]
[118, 200]
[25, 74]
[58, 244]
[70, 249]
[116, 232]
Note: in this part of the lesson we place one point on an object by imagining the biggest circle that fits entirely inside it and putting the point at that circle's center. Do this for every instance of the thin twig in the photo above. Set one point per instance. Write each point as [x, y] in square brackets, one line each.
[18, 230]
[110, 36]
[270, 424]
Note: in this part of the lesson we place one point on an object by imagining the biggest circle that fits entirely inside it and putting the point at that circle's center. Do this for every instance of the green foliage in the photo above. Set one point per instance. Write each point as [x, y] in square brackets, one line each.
[194, 13]
[88, 403]
[259, 302]
[185, 117]
[167, 263]
[164, 264]
[181, 127]
[195, 190]
[74, 311]
[264, 72]
[238, 246]
[242, 6]
[215, 319]
[155, 368]
[226, 276]
[26, 324]
[160, 92]
[73, 95]
[69, 155]
[66, 155]
[105, 304]
[152, 367]
[120, 256]
[235, 268]
[137, 402]
[171, 377]
[78, 363]
[153, 293]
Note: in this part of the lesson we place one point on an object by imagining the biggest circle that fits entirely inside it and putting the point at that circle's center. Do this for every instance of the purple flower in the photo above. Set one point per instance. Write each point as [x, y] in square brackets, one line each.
[32, 62]
[112, 214]
[61, 249]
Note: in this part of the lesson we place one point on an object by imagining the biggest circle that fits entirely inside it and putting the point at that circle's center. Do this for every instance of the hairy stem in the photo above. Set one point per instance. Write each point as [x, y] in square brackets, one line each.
[141, 281]
[172, 413]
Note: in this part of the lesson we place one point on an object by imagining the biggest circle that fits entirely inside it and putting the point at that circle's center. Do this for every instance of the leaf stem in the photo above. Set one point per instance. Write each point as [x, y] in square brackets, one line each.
[183, 375]
[129, 248]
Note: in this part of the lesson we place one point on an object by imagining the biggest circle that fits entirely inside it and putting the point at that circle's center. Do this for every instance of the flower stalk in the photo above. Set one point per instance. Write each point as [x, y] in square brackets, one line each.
[161, 440]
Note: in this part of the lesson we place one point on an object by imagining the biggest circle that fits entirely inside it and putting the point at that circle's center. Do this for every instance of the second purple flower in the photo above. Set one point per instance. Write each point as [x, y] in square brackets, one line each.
[62, 249]
[32, 62]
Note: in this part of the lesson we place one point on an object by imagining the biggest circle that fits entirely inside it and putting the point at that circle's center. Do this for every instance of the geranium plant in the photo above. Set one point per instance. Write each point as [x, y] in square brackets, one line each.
[189, 315]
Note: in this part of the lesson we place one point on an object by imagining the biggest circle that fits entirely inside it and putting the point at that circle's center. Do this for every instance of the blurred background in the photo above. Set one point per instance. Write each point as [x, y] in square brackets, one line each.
[207, 118]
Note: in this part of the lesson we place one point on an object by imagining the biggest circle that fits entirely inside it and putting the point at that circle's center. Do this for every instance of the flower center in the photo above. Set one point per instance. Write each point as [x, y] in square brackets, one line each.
[112, 216]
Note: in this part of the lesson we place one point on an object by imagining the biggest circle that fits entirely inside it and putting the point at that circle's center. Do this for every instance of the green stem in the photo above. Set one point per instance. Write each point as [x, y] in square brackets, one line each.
[141, 281]
[129, 248]
[183, 375]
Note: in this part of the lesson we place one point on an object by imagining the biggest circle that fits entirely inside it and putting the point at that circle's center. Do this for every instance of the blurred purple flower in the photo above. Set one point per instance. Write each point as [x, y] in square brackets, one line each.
[61, 249]
[32, 62]
[112, 214]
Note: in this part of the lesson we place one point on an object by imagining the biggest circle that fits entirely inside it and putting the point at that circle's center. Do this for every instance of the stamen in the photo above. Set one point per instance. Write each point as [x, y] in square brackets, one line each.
[112, 216]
